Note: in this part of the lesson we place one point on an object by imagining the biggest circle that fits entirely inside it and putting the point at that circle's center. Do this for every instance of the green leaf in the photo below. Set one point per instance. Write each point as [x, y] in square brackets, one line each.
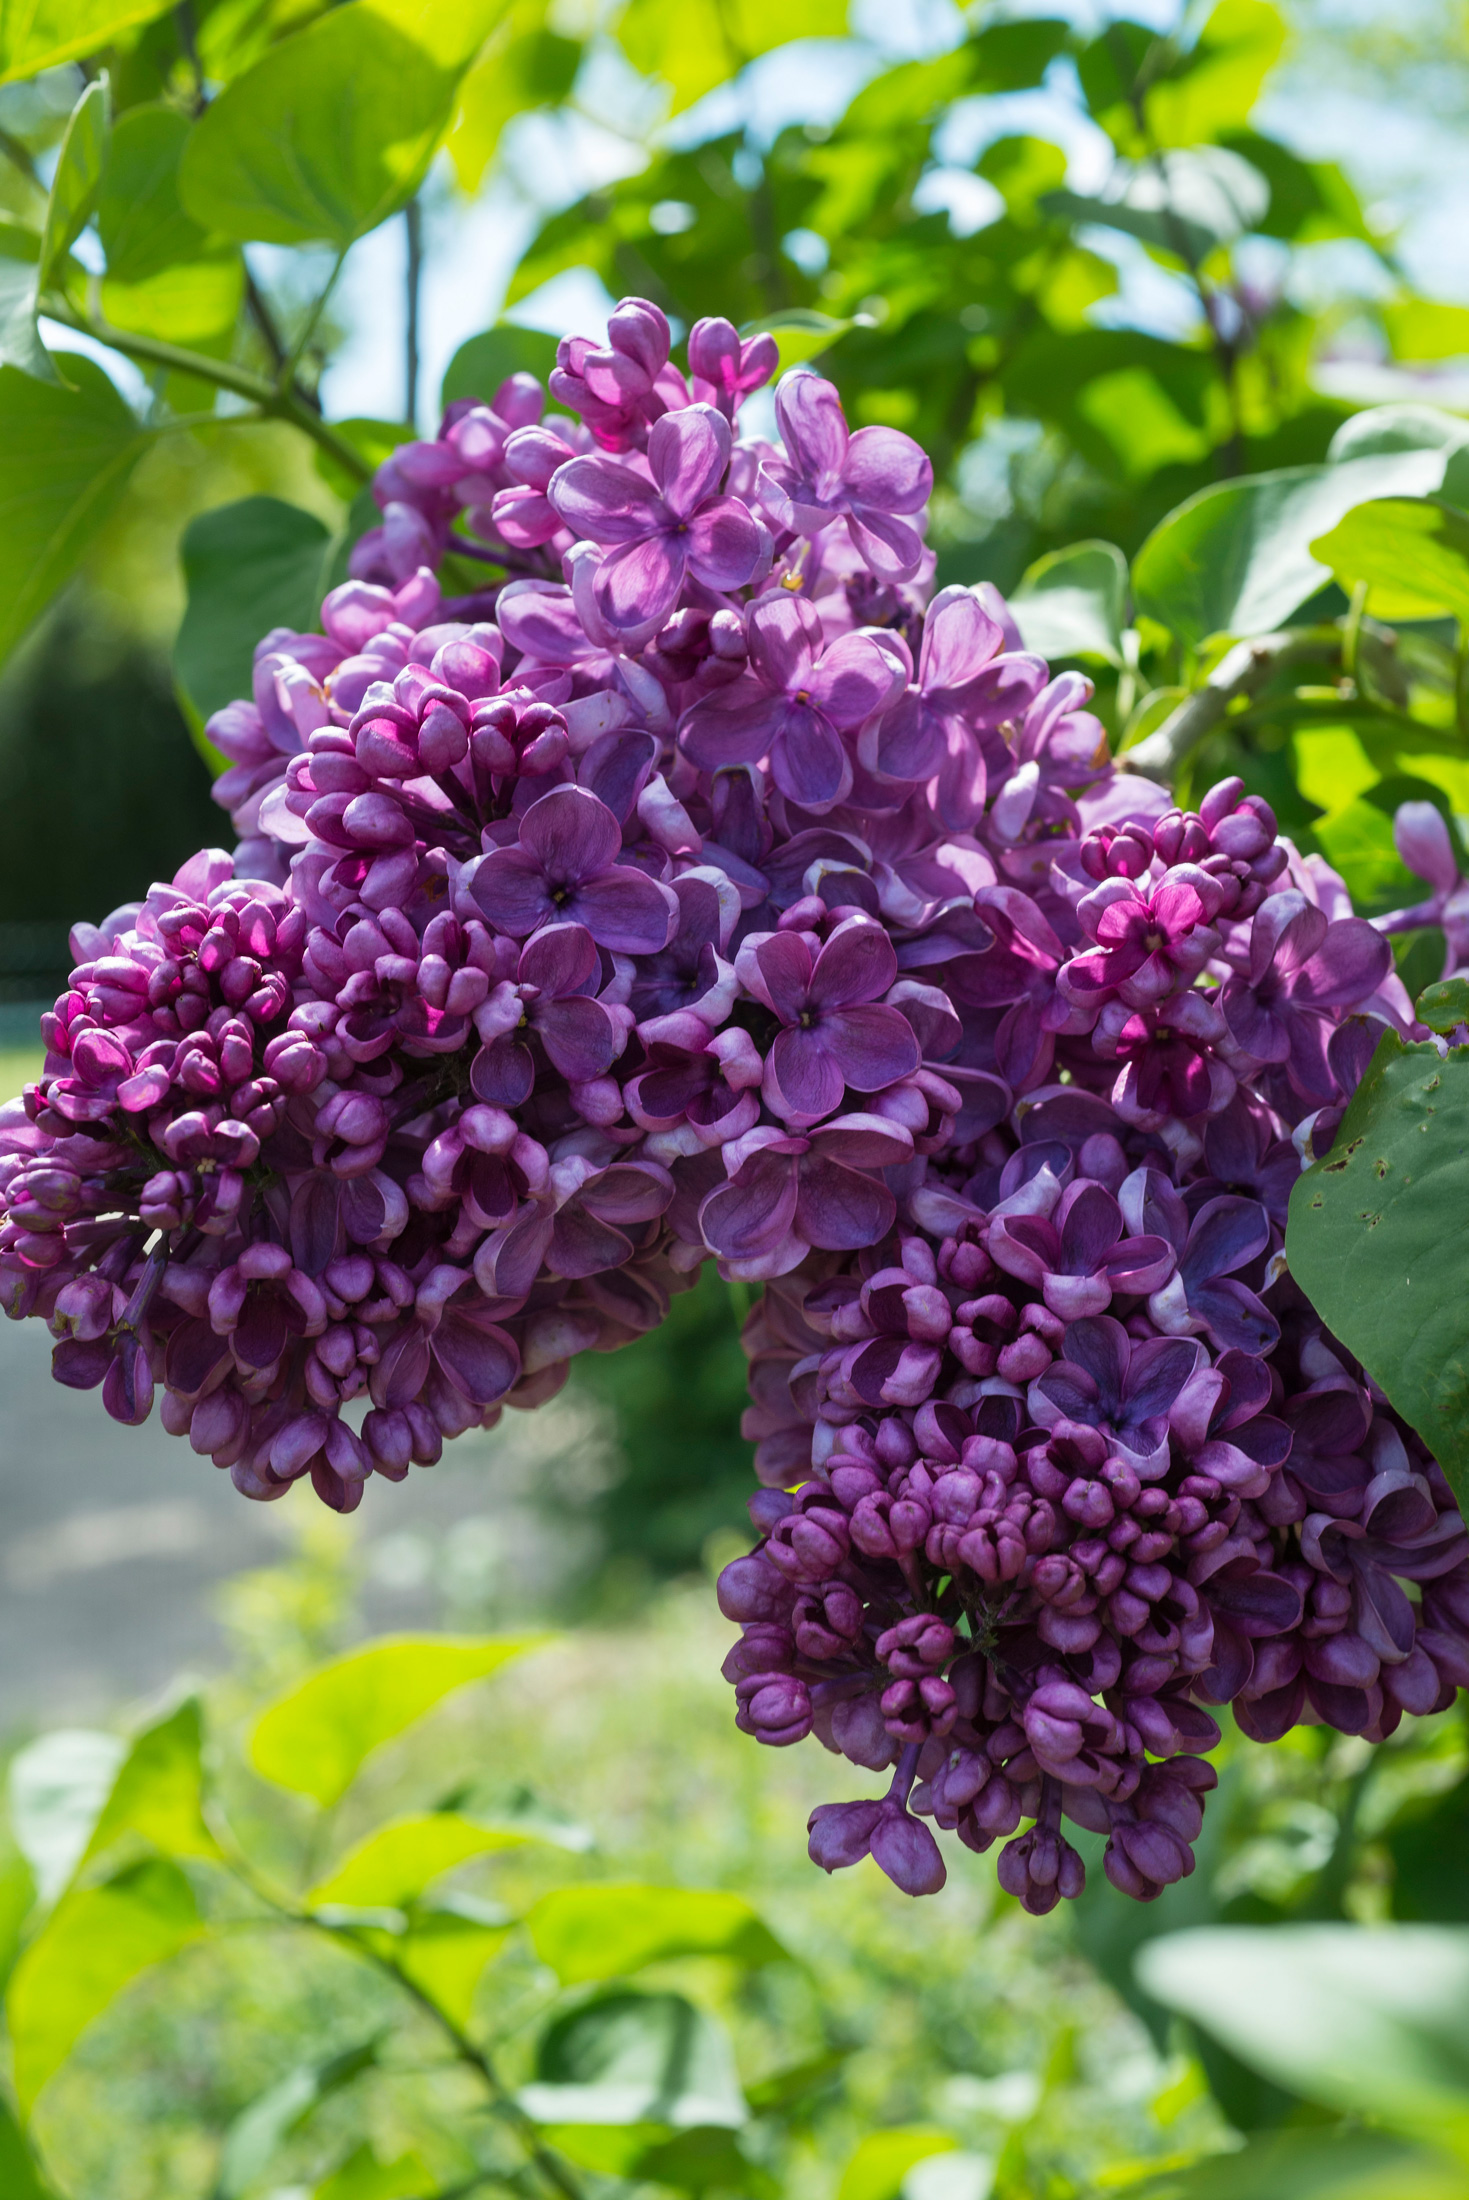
[315, 1738]
[783, 2088]
[141, 223]
[706, 2159]
[1311, 2165]
[196, 302]
[1220, 80]
[59, 1786]
[1377, 1240]
[248, 567]
[37, 34]
[1413, 554]
[1443, 1007]
[363, 2176]
[631, 2058]
[394, 1865]
[20, 2175]
[695, 44]
[65, 457]
[270, 2119]
[329, 133]
[479, 367]
[1073, 603]
[1421, 329]
[800, 334]
[880, 2164]
[94, 1943]
[605, 1932]
[525, 65]
[78, 175]
[1407, 427]
[1236, 558]
[447, 1947]
[1371, 2023]
[158, 1792]
[20, 338]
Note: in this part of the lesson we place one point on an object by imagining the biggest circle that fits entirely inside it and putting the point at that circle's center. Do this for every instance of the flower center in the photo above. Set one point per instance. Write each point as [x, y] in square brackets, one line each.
[1154, 940]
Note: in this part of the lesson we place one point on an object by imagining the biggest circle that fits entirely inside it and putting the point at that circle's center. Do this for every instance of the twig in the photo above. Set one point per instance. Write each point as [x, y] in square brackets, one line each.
[1242, 672]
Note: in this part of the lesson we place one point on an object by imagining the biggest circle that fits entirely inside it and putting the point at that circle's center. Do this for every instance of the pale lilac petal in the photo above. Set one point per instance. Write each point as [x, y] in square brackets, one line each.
[637, 586]
[539, 618]
[959, 641]
[812, 426]
[1422, 840]
[892, 548]
[888, 470]
[604, 502]
[853, 679]
[687, 454]
[784, 634]
[724, 543]
[808, 761]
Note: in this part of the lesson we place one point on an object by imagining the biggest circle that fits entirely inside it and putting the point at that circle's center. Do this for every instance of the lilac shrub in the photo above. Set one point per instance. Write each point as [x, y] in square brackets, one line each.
[712, 888]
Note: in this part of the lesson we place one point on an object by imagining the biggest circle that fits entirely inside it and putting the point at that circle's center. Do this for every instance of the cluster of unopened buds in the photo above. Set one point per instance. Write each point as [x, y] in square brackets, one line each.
[707, 887]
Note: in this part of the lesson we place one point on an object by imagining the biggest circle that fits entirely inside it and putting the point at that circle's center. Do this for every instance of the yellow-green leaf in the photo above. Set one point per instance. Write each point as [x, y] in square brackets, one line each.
[695, 44]
[78, 175]
[606, 1932]
[1412, 552]
[315, 1738]
[95, 1942]
[880, 2164]
[363, 2176]
[445, 1952]
[158, 1791]
[392, 1867]
[37, 34]
[185, 304]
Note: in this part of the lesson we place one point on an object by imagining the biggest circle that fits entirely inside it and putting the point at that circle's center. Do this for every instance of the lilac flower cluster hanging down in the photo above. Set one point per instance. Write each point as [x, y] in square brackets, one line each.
[713, 889]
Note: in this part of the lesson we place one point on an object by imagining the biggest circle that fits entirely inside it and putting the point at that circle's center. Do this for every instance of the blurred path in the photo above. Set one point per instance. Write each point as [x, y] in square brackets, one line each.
[113, 1540]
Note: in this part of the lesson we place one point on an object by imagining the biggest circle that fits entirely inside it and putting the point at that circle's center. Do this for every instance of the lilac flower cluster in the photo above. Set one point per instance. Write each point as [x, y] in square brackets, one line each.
[707, 886]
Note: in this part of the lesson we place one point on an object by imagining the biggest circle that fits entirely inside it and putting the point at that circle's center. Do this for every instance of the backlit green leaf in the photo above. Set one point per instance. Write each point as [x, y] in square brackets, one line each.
[880, 2164]
[65, 457]
[58, 1789]
[630, 2058]
[1412, 553]
[194, 302]
[95, 1942]
[525, 64]
[37, 34]
[1312, 2165]
[78, 175]
[800, 334]
[329, 133]
[141, 223]
[365, 2176]
[248, 567]
[158, 1791]
[394, 1865]
[446, 1949]
[315, 1738]
[1377, 1239]
[1073, 603]
[20, 2175]
[1221, 78]
[605, 1932]
[1367, 2023]
[695, 44]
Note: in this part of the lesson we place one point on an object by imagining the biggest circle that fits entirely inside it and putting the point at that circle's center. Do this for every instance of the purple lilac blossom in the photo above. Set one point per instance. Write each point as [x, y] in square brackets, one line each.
[699, 889]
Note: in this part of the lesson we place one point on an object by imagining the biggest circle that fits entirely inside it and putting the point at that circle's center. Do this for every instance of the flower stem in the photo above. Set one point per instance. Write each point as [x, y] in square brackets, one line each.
[273, 401]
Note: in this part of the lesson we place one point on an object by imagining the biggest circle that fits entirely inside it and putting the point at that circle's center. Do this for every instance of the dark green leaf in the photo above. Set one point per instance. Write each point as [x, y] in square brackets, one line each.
[248, 567]
[20, 2174]
[365, 2176]
[479, 367]
[1377, 1240]
[630, 2058]
[1312, 2165]
[323, 138]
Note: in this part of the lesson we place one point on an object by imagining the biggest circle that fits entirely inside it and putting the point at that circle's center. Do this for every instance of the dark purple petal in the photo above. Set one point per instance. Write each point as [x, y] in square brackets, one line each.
[754, 1213]
[839, 1209]
[626, 911]
[480, 1360]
